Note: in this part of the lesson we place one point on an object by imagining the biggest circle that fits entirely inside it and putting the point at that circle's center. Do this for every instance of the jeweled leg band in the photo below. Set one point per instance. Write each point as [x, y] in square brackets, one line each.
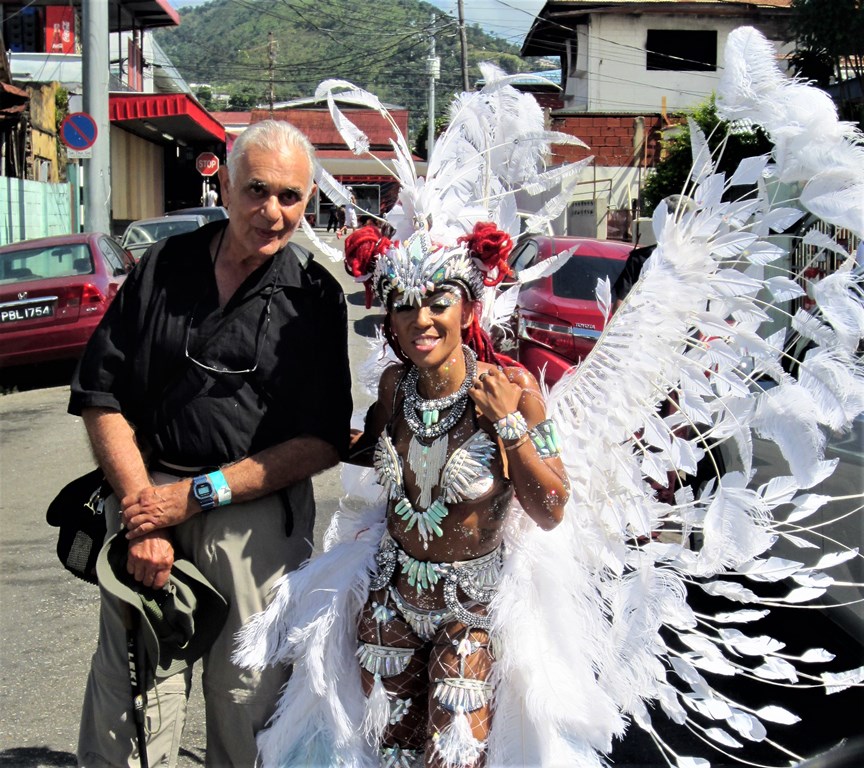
[383, 660]
[459, 694]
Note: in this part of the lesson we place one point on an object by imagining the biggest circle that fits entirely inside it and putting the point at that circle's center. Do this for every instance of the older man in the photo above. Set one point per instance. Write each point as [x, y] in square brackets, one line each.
[216, 386]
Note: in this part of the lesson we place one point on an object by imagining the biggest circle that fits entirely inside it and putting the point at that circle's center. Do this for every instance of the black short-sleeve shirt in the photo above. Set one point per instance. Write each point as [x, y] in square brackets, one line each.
[167, 315]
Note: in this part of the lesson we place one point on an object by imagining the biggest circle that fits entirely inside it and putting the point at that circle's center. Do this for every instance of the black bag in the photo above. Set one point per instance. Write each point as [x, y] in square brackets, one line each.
[78, 512]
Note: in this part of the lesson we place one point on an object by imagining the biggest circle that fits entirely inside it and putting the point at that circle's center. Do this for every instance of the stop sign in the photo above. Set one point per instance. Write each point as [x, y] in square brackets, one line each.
[207, 163]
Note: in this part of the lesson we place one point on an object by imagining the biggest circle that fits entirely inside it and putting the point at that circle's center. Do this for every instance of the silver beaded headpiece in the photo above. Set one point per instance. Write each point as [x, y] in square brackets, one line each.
[416, 268]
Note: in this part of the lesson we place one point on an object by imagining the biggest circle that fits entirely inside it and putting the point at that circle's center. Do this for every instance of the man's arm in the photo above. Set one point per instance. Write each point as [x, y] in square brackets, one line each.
[113, 441]
[156, 508]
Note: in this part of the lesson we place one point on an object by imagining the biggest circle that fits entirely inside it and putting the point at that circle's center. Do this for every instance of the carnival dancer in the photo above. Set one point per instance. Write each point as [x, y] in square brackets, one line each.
[456, 430]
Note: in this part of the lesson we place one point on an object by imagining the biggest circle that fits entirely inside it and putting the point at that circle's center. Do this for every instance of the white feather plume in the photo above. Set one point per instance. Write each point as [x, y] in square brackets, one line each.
[584, 614]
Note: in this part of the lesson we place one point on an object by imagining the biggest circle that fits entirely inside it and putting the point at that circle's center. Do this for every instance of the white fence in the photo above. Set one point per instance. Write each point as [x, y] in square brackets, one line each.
[31, 209]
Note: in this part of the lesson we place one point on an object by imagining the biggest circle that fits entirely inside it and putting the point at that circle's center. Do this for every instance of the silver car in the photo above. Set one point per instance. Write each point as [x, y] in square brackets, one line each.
[140, 235]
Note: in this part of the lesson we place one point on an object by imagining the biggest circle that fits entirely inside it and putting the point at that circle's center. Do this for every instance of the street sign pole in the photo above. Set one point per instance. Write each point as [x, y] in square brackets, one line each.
[97, 169]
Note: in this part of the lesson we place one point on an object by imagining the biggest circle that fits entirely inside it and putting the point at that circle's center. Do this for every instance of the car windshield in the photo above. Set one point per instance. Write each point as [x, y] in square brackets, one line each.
[577, 279]
[150, 232]
[45, 263]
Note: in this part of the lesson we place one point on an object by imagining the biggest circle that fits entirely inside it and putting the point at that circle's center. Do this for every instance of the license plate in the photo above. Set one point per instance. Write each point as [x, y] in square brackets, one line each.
[16, 312]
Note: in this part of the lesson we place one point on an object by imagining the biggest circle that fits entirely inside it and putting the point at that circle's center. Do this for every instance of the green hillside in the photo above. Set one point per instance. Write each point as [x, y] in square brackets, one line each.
[379, 45]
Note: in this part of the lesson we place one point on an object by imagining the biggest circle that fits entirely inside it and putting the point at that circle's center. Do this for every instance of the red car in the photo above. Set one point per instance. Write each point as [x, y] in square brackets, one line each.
[558, 320]
[53, 293]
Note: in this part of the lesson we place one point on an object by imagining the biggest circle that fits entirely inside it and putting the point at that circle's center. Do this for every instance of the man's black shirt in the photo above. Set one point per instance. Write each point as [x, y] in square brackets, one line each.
[137, 361]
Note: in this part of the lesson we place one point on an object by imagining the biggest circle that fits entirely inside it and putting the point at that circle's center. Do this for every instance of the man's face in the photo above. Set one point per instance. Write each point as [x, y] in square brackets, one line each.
[267, 198]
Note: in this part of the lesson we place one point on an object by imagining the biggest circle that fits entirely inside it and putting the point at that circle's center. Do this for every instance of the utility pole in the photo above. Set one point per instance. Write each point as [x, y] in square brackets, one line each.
[463, 39]
[271, 61]
[433, 72]
[97, 168]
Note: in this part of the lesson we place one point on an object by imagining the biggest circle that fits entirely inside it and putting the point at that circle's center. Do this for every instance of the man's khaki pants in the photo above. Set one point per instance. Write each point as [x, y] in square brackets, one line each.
[242, 549]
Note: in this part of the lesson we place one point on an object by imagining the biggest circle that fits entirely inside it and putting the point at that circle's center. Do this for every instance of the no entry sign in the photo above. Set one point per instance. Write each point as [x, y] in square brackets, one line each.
[207, 163]
[78, 131]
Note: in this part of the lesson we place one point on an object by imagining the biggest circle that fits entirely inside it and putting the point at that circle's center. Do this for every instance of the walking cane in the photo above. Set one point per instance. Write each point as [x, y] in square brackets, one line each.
[137, 680]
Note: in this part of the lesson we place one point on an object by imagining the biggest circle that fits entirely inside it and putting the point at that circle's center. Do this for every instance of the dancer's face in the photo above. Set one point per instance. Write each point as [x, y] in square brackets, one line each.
[429, 334]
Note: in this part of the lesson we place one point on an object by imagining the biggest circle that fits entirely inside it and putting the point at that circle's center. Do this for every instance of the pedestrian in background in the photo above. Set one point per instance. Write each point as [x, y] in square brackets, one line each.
[209, 407]
[211, 198]
[332, 219]
[350, 223]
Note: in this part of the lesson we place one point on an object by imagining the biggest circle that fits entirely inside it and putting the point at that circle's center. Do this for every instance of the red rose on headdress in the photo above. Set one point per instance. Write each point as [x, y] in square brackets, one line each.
[491, 247]
[362, 249]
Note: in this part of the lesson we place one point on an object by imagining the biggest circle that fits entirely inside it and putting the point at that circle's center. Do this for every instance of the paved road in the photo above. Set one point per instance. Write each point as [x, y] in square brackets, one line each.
[48, 620]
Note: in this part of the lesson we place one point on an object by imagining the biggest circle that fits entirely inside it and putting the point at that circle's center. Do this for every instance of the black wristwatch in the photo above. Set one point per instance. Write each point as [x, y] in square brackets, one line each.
[203, 492]
[211, 490]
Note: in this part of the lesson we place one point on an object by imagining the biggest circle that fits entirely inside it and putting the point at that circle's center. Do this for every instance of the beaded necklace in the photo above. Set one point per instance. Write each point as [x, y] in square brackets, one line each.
[422, 416]
[424, 420]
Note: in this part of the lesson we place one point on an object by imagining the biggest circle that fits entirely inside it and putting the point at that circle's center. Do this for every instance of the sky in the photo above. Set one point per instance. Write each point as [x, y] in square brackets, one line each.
[510, 19]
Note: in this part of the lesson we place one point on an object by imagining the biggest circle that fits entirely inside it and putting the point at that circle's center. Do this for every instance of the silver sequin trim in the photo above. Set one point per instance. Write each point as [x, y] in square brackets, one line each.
[383, 660]
[460, 694]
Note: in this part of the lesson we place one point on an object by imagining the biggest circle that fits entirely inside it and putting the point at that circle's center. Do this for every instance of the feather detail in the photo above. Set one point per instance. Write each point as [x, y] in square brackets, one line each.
[603, 291]
[546, 267]
[334, 190]
[455, 746]
[328, 250]
[377, 716]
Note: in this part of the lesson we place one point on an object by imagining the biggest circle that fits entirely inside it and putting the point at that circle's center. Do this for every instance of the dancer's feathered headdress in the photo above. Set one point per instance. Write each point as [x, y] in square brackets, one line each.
[457, 223]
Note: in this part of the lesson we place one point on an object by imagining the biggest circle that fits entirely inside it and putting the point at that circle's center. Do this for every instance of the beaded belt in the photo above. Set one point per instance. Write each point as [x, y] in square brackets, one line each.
[477, 578]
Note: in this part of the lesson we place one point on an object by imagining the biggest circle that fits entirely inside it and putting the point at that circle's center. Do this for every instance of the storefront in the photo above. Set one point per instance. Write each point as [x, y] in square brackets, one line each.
[155, 139]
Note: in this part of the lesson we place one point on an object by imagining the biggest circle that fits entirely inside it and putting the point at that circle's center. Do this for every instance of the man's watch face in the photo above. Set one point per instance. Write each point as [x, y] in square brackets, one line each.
[203, 490]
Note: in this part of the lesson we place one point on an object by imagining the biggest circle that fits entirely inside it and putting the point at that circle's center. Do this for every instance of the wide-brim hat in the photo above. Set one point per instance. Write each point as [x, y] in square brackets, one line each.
[178, 622]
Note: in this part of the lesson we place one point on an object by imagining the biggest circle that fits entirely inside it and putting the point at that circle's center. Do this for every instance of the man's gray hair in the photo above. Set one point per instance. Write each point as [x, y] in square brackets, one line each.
[272, 135]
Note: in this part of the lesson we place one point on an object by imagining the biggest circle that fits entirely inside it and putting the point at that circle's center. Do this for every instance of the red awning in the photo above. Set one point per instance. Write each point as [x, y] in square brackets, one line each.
[160, 115]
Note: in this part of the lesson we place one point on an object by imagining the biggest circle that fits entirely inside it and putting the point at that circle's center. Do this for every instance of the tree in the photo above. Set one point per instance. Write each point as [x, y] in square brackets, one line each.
[671, 173]
[829, 40]
[441, 123]
[243, 99]
[204, 94]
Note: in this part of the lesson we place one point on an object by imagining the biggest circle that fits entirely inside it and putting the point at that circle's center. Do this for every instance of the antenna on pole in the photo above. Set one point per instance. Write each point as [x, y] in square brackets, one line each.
[271, 61]
[433, 72]
[463, 39]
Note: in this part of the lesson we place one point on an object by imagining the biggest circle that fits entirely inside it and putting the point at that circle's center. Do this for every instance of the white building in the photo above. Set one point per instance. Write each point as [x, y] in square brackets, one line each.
[626, 66]
[637, 56]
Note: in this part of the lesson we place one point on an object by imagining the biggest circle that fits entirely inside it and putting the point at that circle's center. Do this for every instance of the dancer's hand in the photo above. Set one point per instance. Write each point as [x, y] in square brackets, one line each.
[494, 394]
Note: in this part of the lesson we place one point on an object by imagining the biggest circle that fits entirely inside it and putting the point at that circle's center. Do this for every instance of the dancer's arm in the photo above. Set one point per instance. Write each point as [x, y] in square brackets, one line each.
[540, 483]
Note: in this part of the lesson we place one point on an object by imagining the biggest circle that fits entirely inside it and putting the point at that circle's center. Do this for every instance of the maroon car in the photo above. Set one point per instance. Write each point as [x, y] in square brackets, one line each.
[558, 320]
[53, 293]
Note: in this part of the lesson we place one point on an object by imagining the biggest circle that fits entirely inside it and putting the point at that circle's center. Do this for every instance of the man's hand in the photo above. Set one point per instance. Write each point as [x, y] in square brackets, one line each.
[156, 507]
[150, 559]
